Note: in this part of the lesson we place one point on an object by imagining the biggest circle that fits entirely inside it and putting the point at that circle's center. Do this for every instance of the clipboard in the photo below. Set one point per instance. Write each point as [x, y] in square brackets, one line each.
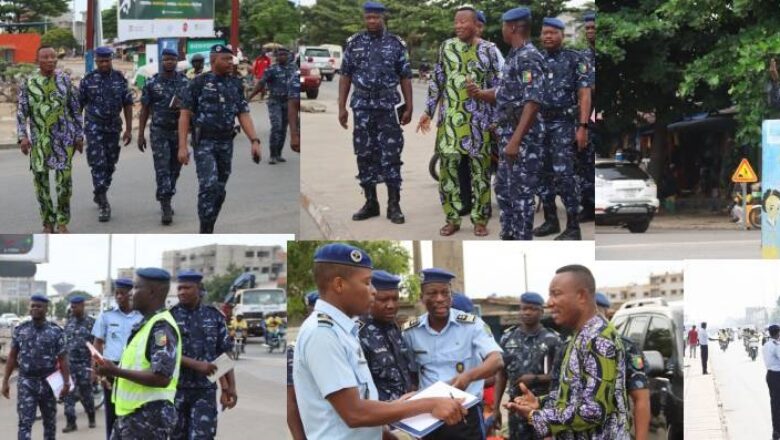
[399, 111]
[423, 424]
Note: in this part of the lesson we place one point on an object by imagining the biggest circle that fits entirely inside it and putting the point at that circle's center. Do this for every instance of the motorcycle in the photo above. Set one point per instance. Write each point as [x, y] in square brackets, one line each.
[277, 340]
[753, 347]
[724, 344]
[238, 343]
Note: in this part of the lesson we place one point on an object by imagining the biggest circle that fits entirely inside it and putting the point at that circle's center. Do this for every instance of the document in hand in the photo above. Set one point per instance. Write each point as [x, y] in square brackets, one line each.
[224, 364]
[94, 351]
[56, 383]
[423, 424]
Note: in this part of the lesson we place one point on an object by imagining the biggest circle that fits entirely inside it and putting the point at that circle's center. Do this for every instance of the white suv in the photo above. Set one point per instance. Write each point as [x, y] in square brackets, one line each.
[320, 57]
[625, 195]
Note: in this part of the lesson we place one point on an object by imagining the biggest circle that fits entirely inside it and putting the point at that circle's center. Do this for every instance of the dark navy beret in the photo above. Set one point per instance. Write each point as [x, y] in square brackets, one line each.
[312, 297]
[532, 298]
[384, 280]
[516, 14]
[461, 302]
[123, 283]
[773, 328]
[553, 22]
[481, 17]
[436, 275]
[39, 298]
[602, 300]
[153, 273]
[190, 276]
[221, 48]
[342, 253]
[171, 52]
[373, 7]
[590, 16]
[78, 299]
[104, 52]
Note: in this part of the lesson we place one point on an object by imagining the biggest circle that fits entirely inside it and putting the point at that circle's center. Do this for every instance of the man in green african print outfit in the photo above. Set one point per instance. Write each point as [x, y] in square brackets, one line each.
[464, 123]
[49, 102]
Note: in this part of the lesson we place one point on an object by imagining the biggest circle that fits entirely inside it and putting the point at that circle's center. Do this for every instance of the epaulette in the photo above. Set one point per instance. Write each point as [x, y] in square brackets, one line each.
[324, 320]
[466, 317]
[349, 40]
[510, 329]
[400, 40]
[412, 323]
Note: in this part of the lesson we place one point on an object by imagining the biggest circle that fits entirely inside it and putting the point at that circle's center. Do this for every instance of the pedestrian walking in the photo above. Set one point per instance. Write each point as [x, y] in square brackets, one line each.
[693, 341]
[78, 331]
[771, 354]
[704, 347]
[276, 79]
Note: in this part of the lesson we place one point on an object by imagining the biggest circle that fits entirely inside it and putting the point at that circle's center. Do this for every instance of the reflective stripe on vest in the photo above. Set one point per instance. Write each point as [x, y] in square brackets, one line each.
[129, 396]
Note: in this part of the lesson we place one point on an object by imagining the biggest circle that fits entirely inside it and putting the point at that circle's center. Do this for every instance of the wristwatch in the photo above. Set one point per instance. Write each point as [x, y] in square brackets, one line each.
[583, 125]
[255, 140]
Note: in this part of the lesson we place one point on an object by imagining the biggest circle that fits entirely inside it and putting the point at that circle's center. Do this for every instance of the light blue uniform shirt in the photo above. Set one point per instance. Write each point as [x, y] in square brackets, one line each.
[114, 327]
[771, 352]
[460, 343]
[328, 358]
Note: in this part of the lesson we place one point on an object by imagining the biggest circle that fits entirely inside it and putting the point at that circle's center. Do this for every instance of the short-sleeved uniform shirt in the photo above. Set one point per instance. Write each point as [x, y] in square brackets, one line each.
[158, 94]
[161, 346]
[38, 347]
[522, 81]
[204, 337]
[103, 96]
[525, 353]
[215, 101]
[114, 327]
[567, 72]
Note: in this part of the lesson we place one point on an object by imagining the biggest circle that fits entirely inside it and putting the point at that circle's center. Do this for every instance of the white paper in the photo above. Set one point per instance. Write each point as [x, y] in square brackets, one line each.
[224, 364]
[422, 422]
[94, 351]
[56, 383]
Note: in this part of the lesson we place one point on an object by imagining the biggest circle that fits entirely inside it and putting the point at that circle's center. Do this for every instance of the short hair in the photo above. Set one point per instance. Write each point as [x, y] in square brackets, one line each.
[45, 46]
[584, 275]
[325, 272]
[469, 8]
[703, 325]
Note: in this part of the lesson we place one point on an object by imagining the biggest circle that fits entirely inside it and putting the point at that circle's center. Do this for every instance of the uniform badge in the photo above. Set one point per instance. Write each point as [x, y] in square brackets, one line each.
[411, 323]
[637, 362]
[160, 338]
[356, 256]
[459, 367]
[527, 76]
[466, 317]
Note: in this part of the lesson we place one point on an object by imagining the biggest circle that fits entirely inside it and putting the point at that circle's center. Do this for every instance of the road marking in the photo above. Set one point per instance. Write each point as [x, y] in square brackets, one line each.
[658, 244]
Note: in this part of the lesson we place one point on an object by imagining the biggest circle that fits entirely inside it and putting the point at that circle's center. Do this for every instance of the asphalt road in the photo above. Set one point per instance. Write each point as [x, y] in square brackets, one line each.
[619, 244]
[260, 198]
[261, 410]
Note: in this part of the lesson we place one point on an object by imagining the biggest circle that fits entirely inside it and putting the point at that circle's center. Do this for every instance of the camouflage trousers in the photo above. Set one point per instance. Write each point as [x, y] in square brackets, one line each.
[586, 173]
[64, 189]
[165, 148]
[559, 176]
[213, 161]
[102, 156]
[34, 393]
[196, 409]
[378, 141]
[450, 190]
[152, 421]
[277, 113]
[81, 392]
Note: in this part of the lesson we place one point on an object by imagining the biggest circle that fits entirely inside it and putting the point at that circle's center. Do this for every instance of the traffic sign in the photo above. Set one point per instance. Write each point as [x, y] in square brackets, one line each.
[744, 173]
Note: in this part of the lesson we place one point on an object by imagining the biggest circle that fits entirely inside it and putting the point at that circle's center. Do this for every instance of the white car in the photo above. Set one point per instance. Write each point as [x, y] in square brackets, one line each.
[321, 58]
[625, 195]
[9, 320]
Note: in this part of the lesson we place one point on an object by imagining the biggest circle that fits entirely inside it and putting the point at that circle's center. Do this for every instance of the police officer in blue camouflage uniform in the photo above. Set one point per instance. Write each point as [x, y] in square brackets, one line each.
[375, 62]
[568, 84]
[37, 346]
[277, 79]
[389, 359]
[529, 353]
[204, 338]
[586, 158]
[104, 94]
[78, 331]
[520, 132]
[160, 98]
[213, 100]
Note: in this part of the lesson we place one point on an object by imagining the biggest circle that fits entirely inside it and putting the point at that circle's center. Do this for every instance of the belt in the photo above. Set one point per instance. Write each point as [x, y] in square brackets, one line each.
[557, 113]
[218, 135]
[37, 374]
[374, 94]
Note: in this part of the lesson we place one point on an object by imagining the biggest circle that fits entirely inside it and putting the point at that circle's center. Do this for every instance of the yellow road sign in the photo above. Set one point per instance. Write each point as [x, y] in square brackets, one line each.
[744, 173]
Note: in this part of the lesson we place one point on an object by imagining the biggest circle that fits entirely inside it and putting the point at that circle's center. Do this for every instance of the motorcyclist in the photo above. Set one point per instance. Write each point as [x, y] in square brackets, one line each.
[272, 325]
[238, 323]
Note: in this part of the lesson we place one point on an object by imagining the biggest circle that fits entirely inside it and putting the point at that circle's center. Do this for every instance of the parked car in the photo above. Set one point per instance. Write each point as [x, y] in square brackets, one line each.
[336, 52]
[321, 59]
[310, 80]
[625, 195]
[9, 320]
[656, 327]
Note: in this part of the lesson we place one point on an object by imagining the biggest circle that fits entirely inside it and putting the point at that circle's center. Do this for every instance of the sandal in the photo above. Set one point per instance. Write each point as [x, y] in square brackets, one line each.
[48, 229]
[62, 229]
[481, 230]
[449, 229]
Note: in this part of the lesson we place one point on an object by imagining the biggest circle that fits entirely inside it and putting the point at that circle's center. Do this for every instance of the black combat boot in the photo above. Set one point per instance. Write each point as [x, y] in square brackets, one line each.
[588, 211]
[394, 205]
[570, 234]
[167, 211]
[371, 207]
[70, 427]
[550, 225]
[104, 208]
[92, 423]
[206, 227]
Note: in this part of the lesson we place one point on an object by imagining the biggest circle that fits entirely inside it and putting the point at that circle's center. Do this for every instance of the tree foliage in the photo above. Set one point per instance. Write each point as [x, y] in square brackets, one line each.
[109, 21]
[28, 11]
[59, 38]
[219, 285]
[266, 21]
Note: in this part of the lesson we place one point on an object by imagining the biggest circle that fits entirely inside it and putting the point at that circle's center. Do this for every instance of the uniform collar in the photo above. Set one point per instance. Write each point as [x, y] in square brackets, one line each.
[339, 317]
[451, 320]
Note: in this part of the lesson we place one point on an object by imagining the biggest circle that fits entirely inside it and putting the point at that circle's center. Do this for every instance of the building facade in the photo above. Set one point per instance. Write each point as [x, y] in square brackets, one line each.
[668, 285]
[268, 263]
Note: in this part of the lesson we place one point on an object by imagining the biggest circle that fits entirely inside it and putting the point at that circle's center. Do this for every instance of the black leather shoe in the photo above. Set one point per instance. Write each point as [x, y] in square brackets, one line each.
[570, 234]
[206, 227]
[70, 427]
[92, 423]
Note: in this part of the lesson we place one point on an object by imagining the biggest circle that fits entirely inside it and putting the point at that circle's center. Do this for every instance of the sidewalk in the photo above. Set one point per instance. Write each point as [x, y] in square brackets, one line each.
[696, 220]
[703, 412]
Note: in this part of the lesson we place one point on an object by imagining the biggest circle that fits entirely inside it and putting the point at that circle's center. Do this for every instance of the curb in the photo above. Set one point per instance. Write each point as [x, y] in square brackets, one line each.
[12, 146]
[331, 230]
[724, 428]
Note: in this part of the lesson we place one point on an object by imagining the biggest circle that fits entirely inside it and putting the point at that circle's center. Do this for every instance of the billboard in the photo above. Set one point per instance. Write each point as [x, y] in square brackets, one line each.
[139, 19]
[24, 247]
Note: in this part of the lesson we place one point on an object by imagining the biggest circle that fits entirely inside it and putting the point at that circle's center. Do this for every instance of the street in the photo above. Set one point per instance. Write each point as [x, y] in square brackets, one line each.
[330, 193]
[260, 198]
[663, 244]
[260, 378]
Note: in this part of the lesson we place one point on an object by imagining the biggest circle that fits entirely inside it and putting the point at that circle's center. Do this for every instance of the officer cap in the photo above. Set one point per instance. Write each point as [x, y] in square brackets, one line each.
[532, 298]
[153, 273]
[373, 7]
[126, 283]
[77, 299]
[40, 298]
[312, 297]
[171, 52]
[221, 48]
[436, 275]
[461, 302]
[384, 280]
[481, 17]
[602, 300]
[342, 253]
[189, 276]
[282, 50]
[197, 57]
[104, 52]
[590, 16]
[516, 14]
[553, 22]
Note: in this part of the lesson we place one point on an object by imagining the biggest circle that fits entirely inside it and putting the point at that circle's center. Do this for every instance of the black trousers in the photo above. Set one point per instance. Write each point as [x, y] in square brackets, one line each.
[472, 429]
[110, 415]
[704, 355]
[773, 382]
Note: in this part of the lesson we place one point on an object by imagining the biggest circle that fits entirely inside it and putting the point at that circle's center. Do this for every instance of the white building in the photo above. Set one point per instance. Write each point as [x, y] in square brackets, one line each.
[668, 285]
[12, 289]
[266, 262]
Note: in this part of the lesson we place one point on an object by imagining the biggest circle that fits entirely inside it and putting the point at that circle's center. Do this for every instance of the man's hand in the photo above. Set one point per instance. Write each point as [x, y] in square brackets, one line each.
[184, 156]
[257, 153]
[773, 70]
[343, 117]
[461, 381]
[582, 138]
[472, 89]
[6, 390]
[205, 368]
[141, 143]
[295, 141]
[106, 368]
[527, 398]
[450, 411]
[228, 399]
[127, 137]
[407, 396]
[424, 125]
[79, 145]
[406, 117]
[511, 151]
[25, 145]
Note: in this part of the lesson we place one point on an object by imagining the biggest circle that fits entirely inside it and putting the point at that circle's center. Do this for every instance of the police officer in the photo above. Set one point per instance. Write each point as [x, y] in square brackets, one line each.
[375, 62]
[389, 359]
[336, 395]
[454, 347]
[160, 98]
[529, 353]
[213, 100]
[771, 355]
[197, 61]
[520, 133]
[111, 331]
[204, 338]
[277, 80]
[37, 346]
[586, 158]
[146, 378]
[104, 94]
[78, 331]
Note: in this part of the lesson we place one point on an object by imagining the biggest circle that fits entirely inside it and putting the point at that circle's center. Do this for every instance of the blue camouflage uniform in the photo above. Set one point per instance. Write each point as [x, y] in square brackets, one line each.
[290, 360]
[38, 347]
[158, 94]
[277, 79]
[103, 96]
[77, 333]
[215, 101]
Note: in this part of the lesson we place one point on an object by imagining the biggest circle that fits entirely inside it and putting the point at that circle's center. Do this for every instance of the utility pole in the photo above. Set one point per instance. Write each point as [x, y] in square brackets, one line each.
[89, 40]
[448, 255]
[234, 15]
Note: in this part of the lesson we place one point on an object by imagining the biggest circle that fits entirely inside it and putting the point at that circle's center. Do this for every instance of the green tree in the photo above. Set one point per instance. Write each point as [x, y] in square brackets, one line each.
[61, 309]
[29, 11]
[59, 38]
[219, 285]
[266, 21]
[109, 18]
[83, 293]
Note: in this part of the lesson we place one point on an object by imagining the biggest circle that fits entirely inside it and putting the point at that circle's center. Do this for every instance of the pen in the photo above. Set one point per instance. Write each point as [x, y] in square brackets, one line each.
[453, 398]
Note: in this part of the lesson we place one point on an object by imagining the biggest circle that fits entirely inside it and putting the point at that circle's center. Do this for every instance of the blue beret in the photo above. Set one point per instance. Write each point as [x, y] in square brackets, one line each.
[78, 299]
[373, 7]
[462, 302]
[190, 276]
[40, 298]
[221, 48]
[532, 298]
[153, 273]
[312, 297]
[602, 300]
[436, 275]
[553, 22]
[342, 253]
[171, 52]
[103, 52]
[590, 16]
[516, 14]
[481, 17]
[384, 281]
[123, 282]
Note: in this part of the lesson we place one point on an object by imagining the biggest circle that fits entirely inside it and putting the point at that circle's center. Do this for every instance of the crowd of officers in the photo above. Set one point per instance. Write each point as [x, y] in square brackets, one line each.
[203, 104]
[154, 362]
[531, 109]
[352, 369]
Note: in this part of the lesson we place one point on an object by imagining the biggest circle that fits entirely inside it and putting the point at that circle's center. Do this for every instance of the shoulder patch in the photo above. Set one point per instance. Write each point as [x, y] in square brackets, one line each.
[324, 320]
[637, 362]
[160, 338]
[510, 329]
[414, 322]
[466, 317]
